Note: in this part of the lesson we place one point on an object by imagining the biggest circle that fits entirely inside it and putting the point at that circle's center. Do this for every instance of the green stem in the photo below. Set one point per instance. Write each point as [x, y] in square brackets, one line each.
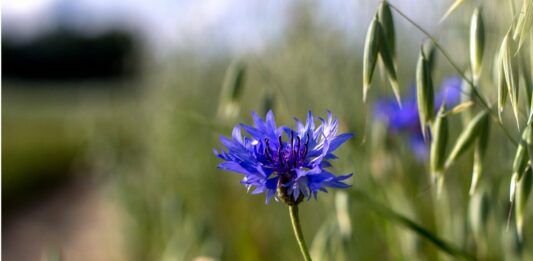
[295, 220]
[459, 71]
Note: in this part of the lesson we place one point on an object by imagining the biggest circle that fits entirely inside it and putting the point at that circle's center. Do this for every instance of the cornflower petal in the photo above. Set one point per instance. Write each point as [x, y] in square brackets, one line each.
[405, 120]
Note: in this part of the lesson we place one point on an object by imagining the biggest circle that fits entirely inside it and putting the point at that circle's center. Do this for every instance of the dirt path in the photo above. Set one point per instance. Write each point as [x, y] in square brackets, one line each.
[74, 222]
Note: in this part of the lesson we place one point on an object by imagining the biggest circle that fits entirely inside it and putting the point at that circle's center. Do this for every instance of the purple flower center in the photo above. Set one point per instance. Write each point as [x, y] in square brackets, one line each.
[287, 156]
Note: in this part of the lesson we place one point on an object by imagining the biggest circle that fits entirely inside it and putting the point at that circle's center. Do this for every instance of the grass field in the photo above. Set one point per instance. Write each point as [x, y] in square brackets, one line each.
[149, 141]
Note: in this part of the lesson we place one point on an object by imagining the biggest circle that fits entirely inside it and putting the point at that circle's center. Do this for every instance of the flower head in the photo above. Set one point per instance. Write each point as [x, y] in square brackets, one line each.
[405, 119]
[282, 162]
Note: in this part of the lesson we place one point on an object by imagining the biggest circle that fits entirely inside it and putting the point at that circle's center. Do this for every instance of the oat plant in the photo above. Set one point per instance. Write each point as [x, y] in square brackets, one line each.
[512, 77]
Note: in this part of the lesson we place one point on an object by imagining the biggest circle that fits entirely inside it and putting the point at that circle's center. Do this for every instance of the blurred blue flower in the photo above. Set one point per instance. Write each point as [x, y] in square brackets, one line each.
[405, 119]
[295, 165]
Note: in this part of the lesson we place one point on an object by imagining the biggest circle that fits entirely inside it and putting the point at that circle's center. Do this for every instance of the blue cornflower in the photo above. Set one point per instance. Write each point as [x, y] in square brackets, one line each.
[282, 162]
[405, 119]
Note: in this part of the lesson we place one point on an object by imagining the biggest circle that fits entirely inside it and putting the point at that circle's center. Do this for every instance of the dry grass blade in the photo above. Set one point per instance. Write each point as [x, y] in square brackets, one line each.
[452, 8]
[467, 136]
[461, 107]
[523, 23]
[510, 71]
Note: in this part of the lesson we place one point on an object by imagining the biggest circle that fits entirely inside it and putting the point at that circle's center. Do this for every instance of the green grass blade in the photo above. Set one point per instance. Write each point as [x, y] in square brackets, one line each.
[510, 72]
[409, 224]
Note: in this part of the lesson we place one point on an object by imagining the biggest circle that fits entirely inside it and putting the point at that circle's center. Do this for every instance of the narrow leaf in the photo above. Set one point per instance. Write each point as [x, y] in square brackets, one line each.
[461, 107]
[409, 224]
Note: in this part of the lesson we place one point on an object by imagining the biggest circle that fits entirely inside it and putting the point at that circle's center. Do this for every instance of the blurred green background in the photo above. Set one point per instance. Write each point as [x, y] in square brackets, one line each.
[107, 139]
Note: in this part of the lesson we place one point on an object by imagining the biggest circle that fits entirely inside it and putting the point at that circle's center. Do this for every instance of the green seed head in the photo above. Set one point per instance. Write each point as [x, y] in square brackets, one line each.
[370, 54]
[477, 43]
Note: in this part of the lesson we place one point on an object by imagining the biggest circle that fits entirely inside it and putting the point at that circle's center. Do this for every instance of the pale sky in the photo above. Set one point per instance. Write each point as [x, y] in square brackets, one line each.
[231, 25]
